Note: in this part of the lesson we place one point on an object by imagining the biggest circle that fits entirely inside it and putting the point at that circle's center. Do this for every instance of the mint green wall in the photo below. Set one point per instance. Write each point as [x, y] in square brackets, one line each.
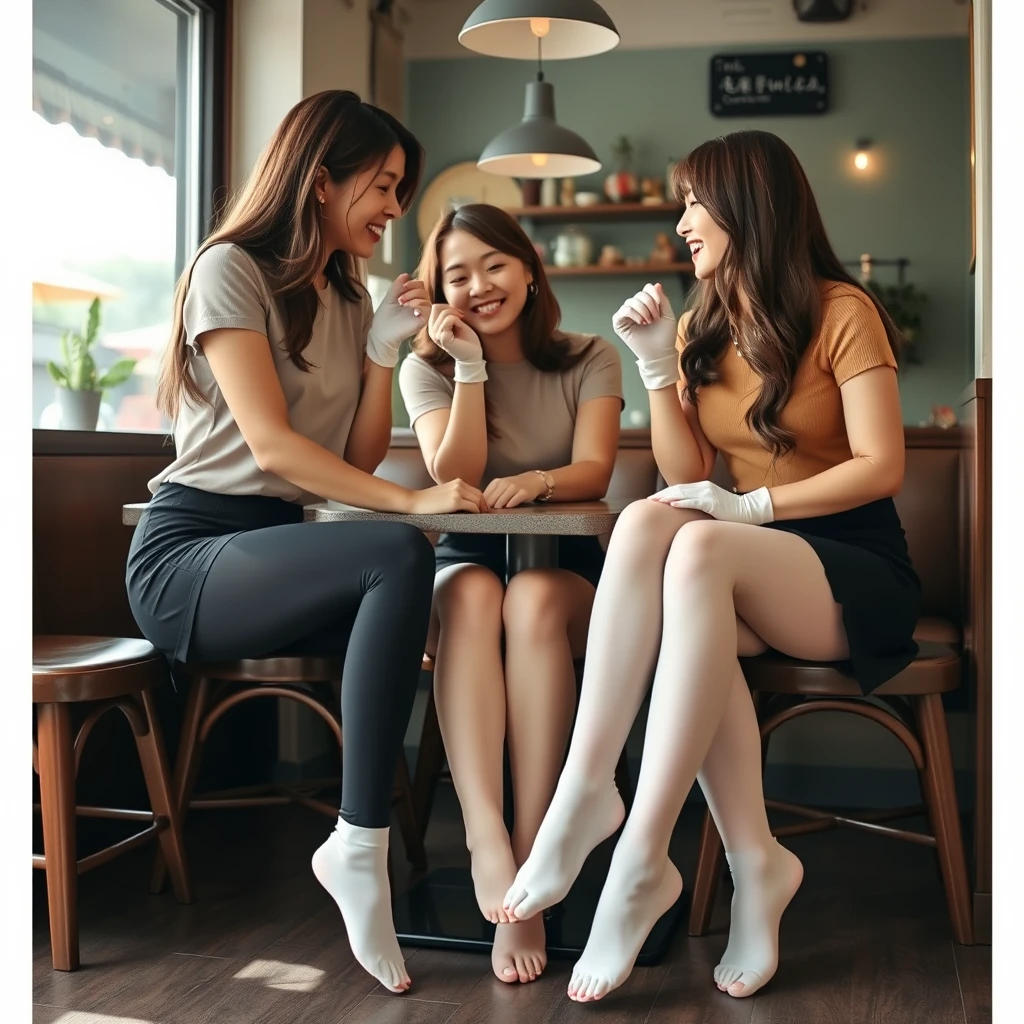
[910, 97]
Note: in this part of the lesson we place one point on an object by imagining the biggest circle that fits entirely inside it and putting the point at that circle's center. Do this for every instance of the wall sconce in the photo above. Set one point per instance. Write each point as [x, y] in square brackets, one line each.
[862, 157]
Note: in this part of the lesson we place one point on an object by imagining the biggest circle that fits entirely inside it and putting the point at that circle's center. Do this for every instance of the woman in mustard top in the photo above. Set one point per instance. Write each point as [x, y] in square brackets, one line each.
[788, 370]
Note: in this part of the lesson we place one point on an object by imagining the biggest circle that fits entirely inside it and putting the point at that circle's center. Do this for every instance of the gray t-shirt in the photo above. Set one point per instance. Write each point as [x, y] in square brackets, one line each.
[535, 412]
[228, 290]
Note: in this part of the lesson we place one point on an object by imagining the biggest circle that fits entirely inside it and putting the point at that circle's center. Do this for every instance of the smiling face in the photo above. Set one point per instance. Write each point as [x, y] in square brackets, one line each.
[706, 241]
[357, 210]
[490, 287]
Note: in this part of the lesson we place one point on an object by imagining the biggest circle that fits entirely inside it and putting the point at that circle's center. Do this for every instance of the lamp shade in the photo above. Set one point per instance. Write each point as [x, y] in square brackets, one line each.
[539, 147]
[511, 28]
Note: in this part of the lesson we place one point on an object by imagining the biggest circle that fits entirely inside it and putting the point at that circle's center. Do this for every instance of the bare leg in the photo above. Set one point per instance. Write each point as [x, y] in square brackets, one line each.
[715, 572]
[546, 613]
[622, 645]
[469, 691]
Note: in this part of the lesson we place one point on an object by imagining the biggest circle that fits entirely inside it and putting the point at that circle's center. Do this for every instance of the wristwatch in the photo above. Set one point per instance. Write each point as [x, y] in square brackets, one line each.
[549, 483]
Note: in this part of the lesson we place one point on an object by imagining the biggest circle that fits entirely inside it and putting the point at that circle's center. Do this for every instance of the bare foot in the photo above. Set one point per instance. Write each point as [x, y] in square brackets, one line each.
[493, 868]
[765, 881]
[519, 952]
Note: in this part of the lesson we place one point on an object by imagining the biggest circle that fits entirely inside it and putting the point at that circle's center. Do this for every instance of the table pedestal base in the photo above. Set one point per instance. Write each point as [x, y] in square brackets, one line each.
[441, 912]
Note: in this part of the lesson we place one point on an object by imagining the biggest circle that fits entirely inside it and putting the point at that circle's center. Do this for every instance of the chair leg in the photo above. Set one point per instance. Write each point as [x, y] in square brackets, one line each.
[710, 861]
[57, 803]
[154, 768]
[429, 762]
[411, 837]
[186, 766]
[944, 815]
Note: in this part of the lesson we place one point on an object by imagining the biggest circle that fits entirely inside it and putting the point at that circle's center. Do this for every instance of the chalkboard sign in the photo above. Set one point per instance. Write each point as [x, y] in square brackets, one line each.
[769, 84]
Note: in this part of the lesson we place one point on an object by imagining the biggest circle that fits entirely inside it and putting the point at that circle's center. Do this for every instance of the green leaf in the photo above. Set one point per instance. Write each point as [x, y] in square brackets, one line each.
[117, 374]
[93, 324]
[64, 348]
[59, 376]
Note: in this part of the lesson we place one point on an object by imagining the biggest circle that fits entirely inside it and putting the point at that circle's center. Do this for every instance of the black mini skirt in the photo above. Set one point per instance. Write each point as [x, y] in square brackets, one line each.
[864, 554]
[581, 555]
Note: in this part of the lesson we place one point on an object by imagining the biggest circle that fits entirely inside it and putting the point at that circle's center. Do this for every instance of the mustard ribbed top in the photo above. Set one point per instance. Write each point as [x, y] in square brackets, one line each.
[851, 339]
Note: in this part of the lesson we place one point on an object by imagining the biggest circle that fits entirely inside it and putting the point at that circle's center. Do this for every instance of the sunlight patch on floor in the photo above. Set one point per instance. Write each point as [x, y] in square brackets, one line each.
[81, 1017]
[286, 977]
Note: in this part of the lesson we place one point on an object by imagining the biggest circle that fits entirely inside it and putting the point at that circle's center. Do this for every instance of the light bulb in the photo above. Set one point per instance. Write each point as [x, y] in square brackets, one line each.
[539, 159]
[860, 161]
[540, 27]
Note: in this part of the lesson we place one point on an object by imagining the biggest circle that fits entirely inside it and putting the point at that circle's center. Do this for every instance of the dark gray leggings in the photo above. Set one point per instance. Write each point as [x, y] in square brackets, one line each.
[358, 589]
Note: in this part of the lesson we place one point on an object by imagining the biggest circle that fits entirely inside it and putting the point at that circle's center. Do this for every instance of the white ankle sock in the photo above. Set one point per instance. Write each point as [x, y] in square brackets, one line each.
[634, 896]
[582, 814]
[352, 865]
[765, 881]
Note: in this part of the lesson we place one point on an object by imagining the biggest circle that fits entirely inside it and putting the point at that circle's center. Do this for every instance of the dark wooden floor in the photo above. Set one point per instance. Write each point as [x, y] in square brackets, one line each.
[866, 940]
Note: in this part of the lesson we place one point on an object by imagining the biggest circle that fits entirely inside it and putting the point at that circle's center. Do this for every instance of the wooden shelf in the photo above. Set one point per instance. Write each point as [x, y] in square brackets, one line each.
[620, 270]
[600, 211]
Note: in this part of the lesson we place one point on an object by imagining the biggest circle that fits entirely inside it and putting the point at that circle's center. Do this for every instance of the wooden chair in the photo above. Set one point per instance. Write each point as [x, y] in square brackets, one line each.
[431, 768]
[113, 673]
[910, 706]
[214, 689]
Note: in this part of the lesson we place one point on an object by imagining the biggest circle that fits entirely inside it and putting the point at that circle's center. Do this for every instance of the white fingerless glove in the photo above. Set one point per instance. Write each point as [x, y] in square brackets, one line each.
[652, 343]
[753, 508]
[392, 324]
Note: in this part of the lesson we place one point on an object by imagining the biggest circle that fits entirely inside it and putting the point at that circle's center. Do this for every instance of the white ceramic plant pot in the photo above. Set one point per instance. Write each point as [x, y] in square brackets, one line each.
[79, 410]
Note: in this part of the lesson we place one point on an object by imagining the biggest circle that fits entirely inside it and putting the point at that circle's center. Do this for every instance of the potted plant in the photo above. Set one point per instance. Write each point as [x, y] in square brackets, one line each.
[80, 386]
[903, 302]
[621, 185]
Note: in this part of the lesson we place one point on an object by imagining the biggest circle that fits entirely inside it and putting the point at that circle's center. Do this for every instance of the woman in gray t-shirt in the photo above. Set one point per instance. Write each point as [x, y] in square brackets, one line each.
[500, 397]
[278, 380]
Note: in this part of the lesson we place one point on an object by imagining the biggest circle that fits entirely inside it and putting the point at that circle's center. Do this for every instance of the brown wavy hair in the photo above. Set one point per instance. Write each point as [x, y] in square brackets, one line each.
[755, 190]
[275, 217]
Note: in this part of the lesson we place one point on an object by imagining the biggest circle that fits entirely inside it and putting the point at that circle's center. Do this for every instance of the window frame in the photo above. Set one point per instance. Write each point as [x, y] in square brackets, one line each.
[213, 23]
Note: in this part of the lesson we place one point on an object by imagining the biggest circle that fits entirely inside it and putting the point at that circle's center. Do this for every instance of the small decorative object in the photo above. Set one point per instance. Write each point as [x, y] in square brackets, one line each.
[652, 191]
[621, 185]
[942, 416]
[549, 192]
[572, 248]
[664, 251]
[80, 386]
[588, 198]
[568, 193]
[531, 191]
[541, 251]
[611, 256]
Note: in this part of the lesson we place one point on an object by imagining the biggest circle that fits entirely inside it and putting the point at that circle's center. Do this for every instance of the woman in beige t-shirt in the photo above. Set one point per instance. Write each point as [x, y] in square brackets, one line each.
[500, 397]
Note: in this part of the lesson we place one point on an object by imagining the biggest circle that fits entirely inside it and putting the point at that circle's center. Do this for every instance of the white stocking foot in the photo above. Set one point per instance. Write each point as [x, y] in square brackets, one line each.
[353, 867]
[582, 814]
[765, 881]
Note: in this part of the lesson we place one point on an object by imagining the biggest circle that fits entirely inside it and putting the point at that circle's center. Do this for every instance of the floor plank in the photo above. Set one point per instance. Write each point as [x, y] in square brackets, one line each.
[974, 975]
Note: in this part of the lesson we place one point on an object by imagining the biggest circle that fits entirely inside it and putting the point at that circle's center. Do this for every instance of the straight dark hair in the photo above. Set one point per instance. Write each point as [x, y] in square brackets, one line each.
[276, 218]
[755, 190]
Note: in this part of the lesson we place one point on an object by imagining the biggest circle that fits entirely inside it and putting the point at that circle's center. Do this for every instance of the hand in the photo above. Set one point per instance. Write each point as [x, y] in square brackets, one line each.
[509, 491]
[399, 316]
[753, 508]
[448, 330]
[453, 496]
[647, 325]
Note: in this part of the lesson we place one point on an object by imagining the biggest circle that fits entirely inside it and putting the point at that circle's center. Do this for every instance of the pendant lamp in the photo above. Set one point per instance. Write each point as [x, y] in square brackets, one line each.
[510, 28]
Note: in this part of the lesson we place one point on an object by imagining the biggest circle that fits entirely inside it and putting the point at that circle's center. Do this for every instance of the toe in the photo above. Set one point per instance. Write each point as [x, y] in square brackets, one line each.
[512, 898]
[507, 974]
[746, 985]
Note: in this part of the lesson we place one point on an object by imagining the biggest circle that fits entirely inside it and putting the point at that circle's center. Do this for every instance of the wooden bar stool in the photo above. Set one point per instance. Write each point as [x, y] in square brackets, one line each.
[215, 688]
[910, 706]
[115, 673]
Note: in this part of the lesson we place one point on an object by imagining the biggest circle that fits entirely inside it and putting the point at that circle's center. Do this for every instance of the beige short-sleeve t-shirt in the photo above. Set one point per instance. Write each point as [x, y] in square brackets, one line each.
[533, 411]
[227, 289]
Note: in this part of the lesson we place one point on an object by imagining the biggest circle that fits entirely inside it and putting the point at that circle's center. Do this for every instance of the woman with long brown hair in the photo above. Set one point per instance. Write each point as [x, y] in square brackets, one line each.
[278, 380]
[501, 397]
[788, 372]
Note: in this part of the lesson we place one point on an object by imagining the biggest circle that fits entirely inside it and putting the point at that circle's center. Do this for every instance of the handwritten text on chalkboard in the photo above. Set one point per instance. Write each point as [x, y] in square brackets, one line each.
[769, 84]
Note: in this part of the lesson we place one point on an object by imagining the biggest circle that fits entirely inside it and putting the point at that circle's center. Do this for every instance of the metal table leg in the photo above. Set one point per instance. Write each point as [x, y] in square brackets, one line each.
[530, 551]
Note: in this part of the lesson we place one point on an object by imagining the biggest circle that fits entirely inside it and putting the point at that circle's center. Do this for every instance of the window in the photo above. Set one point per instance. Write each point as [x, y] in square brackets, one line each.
[126, 118]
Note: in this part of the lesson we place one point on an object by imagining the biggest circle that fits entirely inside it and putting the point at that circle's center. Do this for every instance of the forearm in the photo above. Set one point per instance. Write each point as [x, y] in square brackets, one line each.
[307, 465]
[370, 436]
[675, 448]
[856, 482]
[580, 481]
[462, 453]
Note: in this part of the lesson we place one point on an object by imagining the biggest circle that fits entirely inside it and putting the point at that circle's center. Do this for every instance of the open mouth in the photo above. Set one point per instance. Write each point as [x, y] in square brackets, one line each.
[695, 247]
[488, 308]
[377, 230]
